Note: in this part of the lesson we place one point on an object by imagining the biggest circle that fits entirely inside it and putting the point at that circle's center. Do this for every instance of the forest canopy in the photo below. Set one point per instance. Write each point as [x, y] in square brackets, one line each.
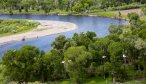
[68, 5]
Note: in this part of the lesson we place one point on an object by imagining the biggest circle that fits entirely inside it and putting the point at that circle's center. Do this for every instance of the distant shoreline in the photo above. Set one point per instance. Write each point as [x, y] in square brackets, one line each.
[45, 28]
[97, 14]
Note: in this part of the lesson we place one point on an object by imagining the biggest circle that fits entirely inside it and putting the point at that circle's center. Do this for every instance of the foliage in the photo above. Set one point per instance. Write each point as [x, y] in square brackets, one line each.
[116, 29]
[59, 42]
[53, 69]
[144, 10]
[79, 6]
[134, 21]
[120, 56]
[76, 59]
[20, 64]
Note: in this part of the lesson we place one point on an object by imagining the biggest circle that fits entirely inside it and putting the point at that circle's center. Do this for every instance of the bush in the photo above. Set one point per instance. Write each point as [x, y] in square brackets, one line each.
[92, 82]
[144, 10]
[116, 29]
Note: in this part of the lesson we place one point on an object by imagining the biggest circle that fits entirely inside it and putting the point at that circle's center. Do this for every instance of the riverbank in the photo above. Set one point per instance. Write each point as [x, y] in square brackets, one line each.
[124, 13]
[44, 31]
[100, 13]
[45, 28]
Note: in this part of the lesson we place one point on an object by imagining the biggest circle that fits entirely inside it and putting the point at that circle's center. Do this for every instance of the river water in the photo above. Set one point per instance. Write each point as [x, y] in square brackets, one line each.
[99, 25]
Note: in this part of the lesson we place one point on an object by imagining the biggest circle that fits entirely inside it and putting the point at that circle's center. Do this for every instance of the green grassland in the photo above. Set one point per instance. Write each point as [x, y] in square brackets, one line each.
[8, 27]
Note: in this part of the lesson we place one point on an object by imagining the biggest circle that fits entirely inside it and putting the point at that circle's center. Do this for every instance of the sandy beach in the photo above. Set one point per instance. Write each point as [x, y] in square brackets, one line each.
[45, 28]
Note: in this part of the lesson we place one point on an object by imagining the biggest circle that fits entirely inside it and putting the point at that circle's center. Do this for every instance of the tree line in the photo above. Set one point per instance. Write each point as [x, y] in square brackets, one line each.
[120, 56]
[67, 5]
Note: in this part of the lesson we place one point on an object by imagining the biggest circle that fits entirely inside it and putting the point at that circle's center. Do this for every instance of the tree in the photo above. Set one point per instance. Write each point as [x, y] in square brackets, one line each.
[82, 39]
[47, 5]
[104, 70]
[69, 43]
[11, 4]
[29, 4]
[99, 49]
[113, 37]
[134, 20]
[75, 63]
[133, 16]
[91, 35]
[116, 52]
[59, 42]
[20, 63]
[142, 34]
[141, 45]
[77, 8]
[115, 29]
[54, 68]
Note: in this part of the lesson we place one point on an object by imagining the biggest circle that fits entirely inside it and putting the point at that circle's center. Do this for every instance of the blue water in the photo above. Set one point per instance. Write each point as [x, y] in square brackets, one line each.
[99, 25]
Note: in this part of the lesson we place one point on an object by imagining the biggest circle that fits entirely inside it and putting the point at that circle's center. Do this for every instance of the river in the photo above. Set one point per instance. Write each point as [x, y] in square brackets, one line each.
[99, 25]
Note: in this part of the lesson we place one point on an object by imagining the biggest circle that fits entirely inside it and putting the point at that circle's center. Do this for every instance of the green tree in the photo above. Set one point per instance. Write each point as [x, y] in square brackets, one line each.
[115, 29]
[77, 8]
[28, 4]
[19, 64]
[54, 67]
[116, 51]
[47, 5]
[142, 34]
[69, 43]
[91, 35]
[99, 49]
[135, 21]
[75, 61]
[82, 39]
[59, 42]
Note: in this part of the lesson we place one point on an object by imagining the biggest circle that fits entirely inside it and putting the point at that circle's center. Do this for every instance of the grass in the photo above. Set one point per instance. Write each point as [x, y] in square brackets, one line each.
[107, 14]
[100, 13]
[96, 80]
[57, 11]
[23, 12]
[8, 27]
[33, 12]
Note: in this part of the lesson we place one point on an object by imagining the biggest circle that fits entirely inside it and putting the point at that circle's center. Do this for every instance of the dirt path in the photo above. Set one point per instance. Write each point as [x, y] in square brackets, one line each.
[125, 12]
[45, 28]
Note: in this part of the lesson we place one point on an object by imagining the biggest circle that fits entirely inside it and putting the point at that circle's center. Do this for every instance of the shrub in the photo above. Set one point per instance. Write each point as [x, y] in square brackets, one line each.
[116, 29]
[92, 82]
[144, 10]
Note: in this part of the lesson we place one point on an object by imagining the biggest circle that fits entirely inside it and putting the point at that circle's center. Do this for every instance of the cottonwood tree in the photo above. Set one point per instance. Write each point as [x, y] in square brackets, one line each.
[116, 52]
[59, 42]
[19, 64]
[75, 60]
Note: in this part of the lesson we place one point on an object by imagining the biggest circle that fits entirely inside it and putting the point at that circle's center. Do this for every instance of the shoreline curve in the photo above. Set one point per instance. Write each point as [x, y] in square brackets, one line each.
[46, 27]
